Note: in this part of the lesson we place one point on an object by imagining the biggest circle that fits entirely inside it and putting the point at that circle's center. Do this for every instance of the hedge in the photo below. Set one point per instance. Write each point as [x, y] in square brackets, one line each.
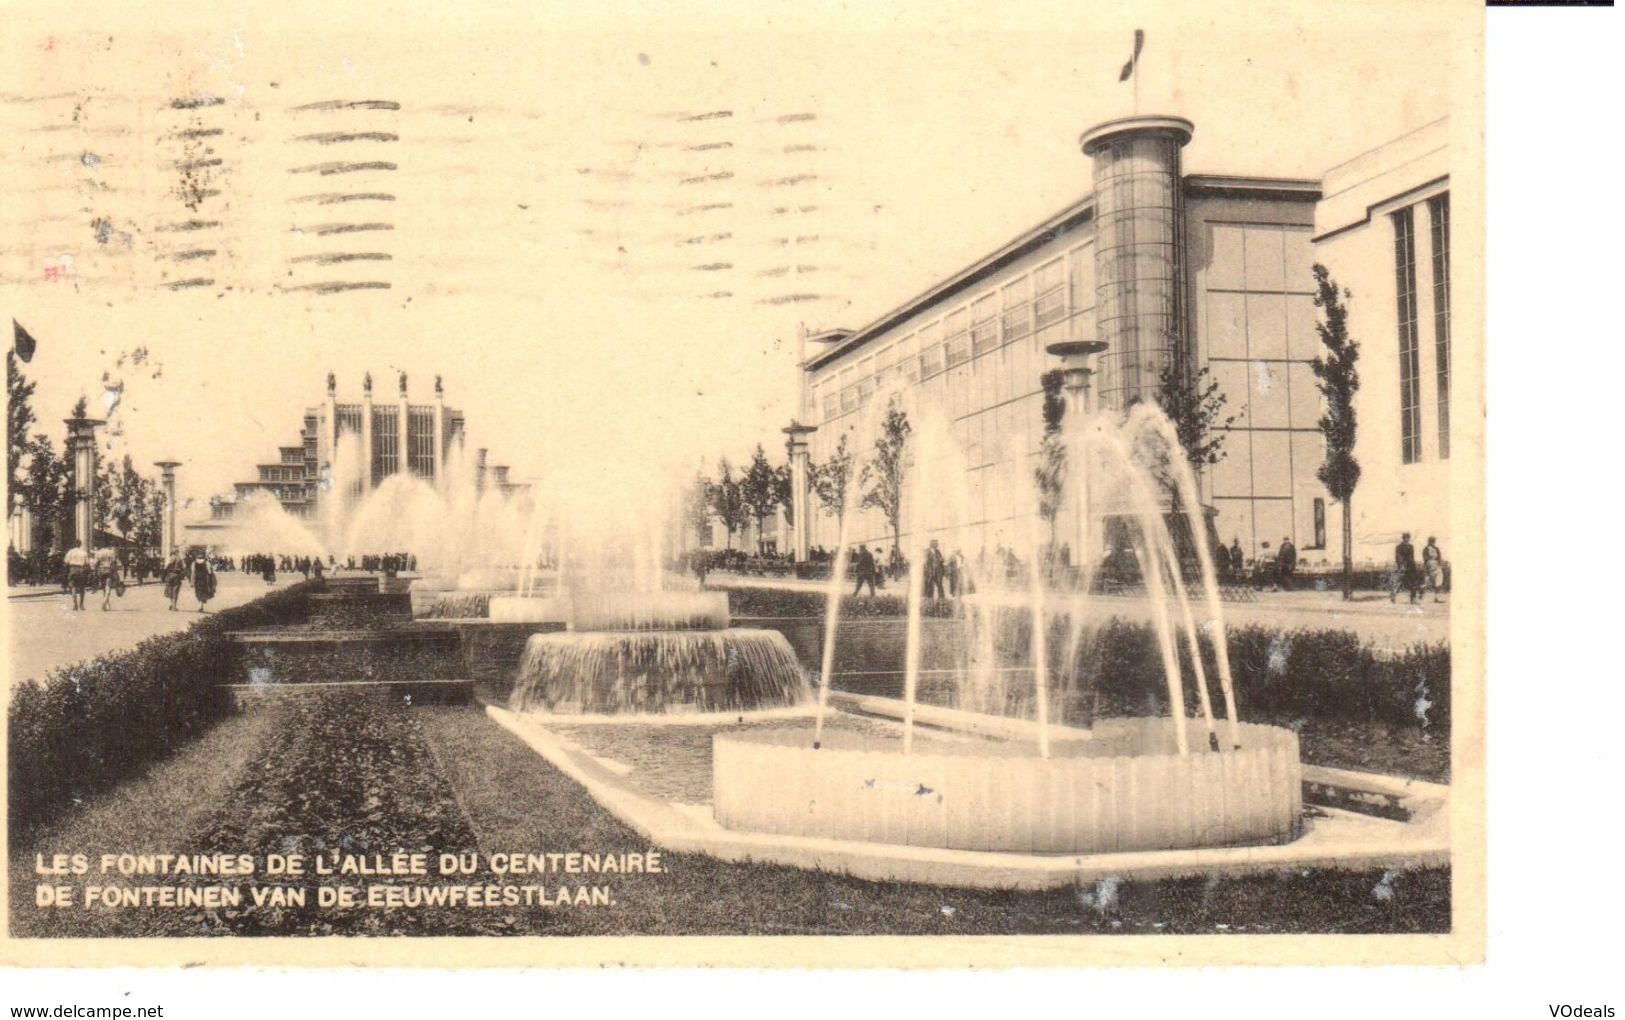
[749, 601]
[87, 726]
[1303, 673]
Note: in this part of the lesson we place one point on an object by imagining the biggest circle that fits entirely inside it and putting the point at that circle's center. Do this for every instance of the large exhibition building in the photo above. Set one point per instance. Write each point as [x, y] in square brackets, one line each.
[349, 448]
[1172, 268]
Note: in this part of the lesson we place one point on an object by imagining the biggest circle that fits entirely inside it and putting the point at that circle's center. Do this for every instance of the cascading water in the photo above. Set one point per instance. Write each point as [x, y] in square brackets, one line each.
[1137, 783]
[659, 671]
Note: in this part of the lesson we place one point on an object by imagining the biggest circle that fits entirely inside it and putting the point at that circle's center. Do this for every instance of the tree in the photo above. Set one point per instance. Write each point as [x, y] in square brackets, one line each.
[46, 479]
[1338, 378]
[830, 481]
[883, 476]
[726, 501]
[1194, 403]
[758, 492]
[696, 506]
[782, 485]
[1050, 474]
[19, 419]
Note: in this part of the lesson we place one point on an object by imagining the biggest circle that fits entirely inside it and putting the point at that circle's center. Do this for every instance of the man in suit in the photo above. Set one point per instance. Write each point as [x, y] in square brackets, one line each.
[865, 570]
[1287, 561]
[1405, 570]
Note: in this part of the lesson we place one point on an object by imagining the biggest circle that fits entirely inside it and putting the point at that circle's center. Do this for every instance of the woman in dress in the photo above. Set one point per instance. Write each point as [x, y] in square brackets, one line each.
[202, 582]
[174, 579]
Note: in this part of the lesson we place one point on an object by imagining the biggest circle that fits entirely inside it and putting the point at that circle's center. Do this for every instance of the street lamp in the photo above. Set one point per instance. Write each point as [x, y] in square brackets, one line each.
[1077, 365]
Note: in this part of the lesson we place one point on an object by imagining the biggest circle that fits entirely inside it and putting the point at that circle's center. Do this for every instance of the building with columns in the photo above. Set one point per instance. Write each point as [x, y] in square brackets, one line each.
[1170, 270]
[359, 442]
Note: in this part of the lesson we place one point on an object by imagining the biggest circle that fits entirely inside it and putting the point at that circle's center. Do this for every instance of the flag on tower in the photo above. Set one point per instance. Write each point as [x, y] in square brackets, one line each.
[22, 343]
[1133, 61]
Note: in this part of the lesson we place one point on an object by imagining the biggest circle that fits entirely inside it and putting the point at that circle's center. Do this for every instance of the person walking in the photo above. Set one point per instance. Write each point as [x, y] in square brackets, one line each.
[107, 575]
[174, 580]
[956, 573]
[866, 568]
[203, 582]
[1433, 565]
[1405, 575]
[935, 572]
[1287, 561]
[77, 560]
[1237, 558]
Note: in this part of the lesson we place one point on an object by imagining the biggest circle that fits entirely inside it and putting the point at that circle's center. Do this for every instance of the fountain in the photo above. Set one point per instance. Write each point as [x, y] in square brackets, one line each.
[1114, 784]
[627, 648]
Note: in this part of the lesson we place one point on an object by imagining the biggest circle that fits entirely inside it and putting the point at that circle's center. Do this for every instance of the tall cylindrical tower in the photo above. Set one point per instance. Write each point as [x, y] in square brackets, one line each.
[1139, 251]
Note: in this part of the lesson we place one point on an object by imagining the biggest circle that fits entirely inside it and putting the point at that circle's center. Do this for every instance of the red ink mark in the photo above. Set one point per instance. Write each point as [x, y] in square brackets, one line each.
[53, 272]
[49, 44]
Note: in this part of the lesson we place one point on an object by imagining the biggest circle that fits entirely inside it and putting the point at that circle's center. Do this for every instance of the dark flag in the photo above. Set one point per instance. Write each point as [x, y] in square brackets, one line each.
[1134, 61]
[22, 343]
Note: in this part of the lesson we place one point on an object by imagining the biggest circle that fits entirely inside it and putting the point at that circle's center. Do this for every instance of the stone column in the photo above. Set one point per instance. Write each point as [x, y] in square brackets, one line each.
[366, 434]
[1077, 365]
[797, 447]
[479, 471]
[403, 445]
[439, 435]
[168, 468]
[82, 454]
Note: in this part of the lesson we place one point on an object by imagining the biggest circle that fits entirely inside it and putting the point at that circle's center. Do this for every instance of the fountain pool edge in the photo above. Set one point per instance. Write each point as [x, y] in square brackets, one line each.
[1337, 841]
[1149, 798]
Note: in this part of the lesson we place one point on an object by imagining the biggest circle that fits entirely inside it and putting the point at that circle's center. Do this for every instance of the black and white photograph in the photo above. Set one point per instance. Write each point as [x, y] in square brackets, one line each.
[508, 476]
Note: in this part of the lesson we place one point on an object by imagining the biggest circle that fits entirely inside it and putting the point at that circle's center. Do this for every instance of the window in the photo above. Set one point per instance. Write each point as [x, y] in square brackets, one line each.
[866, 380]
[1439, 217]
[956, 342]
[1410, 405]
[420, 442]
[984, 327]
[849, 390]
[884, 360]
[1017, 319]
[1049, 286]
[931, 360]
[1320, 524]
[930, 350]
[832, 405]
[385, 450]
[908, 361]
[1082, 283]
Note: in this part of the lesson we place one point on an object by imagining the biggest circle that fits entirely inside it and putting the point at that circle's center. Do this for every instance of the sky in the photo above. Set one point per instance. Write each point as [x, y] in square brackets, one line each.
[603, 229]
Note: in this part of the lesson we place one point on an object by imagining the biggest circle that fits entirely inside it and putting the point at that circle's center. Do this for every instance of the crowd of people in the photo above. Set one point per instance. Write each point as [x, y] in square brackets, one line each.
[950, 575]
[101, 570]
[81, 571]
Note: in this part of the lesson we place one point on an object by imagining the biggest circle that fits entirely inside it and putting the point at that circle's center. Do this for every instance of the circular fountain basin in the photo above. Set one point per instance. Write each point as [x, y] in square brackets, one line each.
[1127, 789]
[611, 672]
[590, 611]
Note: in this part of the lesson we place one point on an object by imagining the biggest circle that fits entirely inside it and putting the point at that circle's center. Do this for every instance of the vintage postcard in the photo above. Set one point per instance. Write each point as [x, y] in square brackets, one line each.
[725, 482]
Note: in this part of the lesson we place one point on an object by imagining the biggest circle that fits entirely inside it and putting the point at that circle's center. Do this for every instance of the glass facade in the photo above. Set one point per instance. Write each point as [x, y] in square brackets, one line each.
[1410, 370]
[977, 358]
[1136, 263]
[420, 442]
[385, 442]
[1439, 220]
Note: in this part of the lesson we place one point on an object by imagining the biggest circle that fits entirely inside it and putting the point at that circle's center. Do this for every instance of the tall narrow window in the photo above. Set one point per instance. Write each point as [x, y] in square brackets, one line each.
[1439, 216]
[1320, 523]
[1410, 403]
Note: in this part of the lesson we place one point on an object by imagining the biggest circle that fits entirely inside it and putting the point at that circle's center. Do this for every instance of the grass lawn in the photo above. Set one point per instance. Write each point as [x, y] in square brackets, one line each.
[334, 772]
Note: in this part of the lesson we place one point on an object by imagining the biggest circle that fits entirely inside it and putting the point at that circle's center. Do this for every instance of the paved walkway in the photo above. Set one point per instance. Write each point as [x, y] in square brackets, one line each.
[1391, 626]
[46, 634]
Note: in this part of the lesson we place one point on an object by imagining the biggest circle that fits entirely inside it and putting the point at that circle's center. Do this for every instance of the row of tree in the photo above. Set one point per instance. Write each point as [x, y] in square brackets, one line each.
[127, 502]
[1192, 400]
